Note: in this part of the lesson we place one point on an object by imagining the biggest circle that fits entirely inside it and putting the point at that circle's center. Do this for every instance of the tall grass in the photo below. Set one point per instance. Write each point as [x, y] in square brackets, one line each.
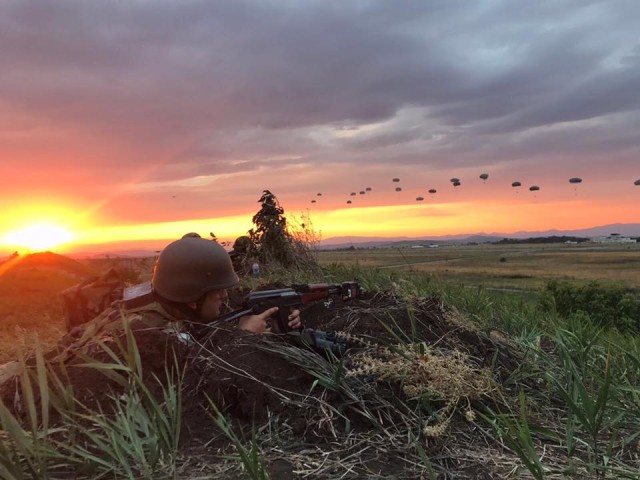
[248, 455]
[516, 432]
[577, 368]
[571, 408]
[139, 438]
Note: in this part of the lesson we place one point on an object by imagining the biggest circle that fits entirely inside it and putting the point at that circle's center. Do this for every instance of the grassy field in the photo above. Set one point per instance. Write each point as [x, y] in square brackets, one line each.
[30, 302]
[568, 406]
[525, 267]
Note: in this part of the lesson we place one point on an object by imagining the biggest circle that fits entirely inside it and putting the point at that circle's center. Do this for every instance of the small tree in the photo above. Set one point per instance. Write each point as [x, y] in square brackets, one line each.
[271, 240]
[270, 236]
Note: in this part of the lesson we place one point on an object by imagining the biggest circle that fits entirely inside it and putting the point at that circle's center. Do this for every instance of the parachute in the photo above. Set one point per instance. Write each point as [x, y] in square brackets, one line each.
[349, 202]
[516, 184]
[362, 192]
[353, 194]
[419, 199]
[368, 189]
[456, 183]
[398, 189]
[396, 180]
[575, 181]
[433, 190]
[313, 201]
[534, 188]
[637, 182]
[484, 176]
[455, 180]
[319, 194]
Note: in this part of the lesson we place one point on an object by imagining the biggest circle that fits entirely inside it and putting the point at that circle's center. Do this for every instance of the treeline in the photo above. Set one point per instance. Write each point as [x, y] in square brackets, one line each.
[552, 239]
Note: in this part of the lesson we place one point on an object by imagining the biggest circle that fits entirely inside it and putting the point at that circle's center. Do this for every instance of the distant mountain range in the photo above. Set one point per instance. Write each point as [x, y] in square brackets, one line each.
[105, 253]
[625, 229]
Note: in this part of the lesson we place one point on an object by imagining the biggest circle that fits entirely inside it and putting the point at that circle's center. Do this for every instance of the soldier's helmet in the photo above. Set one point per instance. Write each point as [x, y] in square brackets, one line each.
[190, 267]
[242, 244]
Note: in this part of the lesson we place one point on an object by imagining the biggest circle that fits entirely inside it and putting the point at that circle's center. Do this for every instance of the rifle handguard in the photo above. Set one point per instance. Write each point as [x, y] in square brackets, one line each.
[294, 296]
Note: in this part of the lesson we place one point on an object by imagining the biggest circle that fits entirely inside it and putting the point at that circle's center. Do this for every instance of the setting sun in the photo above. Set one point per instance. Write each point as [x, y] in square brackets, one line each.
[38, 237]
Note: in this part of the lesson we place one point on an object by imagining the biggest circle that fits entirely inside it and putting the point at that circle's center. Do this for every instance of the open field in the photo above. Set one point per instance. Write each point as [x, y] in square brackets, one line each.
[30, 302]
[522, 267]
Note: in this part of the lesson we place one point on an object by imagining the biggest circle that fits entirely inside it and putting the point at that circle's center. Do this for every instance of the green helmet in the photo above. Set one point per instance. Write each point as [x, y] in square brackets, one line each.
[190, 267]
[242, 244]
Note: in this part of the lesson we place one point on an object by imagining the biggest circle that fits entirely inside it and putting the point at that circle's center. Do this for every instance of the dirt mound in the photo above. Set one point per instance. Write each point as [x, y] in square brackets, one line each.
[246, 378]
[239, 371]
[266, 380]
[48, 261]
[94, 390]
[270, 380]
[385, 318]
[235, 369]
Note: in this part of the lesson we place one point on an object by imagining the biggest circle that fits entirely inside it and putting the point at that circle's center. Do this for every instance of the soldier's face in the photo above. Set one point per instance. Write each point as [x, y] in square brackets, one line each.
[212, 304]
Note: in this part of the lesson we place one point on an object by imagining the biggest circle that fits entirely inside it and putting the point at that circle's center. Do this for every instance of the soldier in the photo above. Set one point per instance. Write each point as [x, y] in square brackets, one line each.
[239, 254]
[194, 274]
[189, 287]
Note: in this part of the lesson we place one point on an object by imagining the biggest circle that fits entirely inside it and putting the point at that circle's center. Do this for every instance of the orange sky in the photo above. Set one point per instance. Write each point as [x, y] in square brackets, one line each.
[178, 119]
[380, 214]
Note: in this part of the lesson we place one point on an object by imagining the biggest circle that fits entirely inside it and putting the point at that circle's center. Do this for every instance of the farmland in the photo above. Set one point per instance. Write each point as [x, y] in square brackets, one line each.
[517, 267]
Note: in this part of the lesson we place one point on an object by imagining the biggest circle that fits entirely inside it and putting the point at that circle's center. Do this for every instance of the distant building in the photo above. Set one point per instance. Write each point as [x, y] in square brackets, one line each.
[614, 238]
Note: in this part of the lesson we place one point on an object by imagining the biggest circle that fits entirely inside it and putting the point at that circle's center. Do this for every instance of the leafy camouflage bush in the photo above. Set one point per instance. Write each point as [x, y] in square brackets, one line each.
[275, 244]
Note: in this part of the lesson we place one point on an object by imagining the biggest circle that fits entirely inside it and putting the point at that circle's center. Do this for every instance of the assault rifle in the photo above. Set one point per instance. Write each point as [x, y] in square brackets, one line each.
[295, 296]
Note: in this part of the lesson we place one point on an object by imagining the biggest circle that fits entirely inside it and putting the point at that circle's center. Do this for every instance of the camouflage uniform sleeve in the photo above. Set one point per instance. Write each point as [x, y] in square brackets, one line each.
[111, 322]
[106, 325]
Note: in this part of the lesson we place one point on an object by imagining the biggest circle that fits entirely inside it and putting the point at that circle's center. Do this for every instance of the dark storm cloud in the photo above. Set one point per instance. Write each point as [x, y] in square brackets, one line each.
[212, 87]
[607, 93]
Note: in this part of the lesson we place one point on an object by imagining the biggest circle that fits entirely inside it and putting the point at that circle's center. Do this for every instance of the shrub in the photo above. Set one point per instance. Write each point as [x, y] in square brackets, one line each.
[606, 306]
[275, 244]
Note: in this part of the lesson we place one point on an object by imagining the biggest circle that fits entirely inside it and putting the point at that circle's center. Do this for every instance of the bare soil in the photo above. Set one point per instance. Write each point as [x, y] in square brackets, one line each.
[259, 387]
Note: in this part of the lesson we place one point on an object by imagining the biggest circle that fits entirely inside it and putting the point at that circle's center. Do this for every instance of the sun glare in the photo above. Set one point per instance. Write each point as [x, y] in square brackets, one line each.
[38, 237]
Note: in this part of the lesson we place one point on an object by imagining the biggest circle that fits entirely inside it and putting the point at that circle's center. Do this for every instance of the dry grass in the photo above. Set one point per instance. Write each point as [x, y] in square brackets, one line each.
[446, 376]
[393, 450]
[505, 266]
[30, 304]
[30, 310]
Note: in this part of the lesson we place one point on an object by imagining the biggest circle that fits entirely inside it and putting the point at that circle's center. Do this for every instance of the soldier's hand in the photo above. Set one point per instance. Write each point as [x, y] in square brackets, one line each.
[294, 320]
[256, 323]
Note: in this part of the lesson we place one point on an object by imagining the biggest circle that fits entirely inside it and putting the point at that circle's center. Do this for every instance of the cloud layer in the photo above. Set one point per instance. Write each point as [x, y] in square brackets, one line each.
[168, 105]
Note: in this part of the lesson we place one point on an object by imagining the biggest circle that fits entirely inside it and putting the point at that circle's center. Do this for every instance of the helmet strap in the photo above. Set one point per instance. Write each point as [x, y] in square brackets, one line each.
[199, 305]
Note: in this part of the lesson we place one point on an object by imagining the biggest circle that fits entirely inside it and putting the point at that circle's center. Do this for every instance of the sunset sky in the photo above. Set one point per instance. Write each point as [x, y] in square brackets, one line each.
[133, 122]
